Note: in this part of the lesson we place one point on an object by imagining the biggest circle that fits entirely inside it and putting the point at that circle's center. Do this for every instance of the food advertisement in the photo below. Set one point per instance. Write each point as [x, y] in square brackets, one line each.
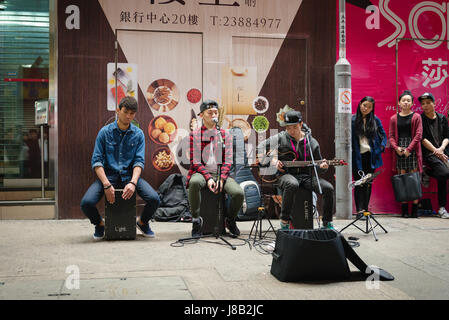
[162, 95]
[162, 130]
[126, 79]
[239, 90]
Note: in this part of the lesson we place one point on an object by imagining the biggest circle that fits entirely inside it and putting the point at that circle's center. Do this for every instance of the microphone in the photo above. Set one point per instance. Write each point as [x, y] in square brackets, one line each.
[215, 120]
[305, 128]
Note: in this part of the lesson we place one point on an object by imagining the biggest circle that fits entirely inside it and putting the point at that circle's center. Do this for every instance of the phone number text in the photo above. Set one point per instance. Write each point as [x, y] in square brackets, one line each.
[245, 22]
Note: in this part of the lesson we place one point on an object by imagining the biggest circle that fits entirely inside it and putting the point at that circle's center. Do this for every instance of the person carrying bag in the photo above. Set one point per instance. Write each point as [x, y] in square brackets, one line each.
[405, 136]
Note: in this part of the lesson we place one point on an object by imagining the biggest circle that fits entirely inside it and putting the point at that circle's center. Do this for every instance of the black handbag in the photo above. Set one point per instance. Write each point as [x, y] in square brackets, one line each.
[407, 187]
[311, 255]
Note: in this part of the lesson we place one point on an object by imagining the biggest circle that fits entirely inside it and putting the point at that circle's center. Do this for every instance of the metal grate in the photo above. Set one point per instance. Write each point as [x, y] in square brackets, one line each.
[24, 53]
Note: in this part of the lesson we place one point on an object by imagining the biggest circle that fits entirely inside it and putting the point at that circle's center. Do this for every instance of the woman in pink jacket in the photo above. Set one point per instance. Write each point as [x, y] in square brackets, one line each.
[405, 136]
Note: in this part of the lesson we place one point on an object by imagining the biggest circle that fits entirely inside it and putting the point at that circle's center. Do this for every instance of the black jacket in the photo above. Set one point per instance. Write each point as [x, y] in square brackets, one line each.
[443, 133]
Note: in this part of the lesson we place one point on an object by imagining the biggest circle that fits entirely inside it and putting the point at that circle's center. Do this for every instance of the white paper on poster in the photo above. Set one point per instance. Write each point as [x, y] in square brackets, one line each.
[126, 82]
[344, 100]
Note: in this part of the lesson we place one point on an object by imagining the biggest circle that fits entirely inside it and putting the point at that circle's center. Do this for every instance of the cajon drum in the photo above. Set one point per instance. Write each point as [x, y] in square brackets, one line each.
[302, 213]
[120, 218]
[209, 211]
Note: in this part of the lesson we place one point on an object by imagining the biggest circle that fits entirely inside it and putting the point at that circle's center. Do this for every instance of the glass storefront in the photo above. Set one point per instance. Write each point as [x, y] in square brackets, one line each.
[24, 79]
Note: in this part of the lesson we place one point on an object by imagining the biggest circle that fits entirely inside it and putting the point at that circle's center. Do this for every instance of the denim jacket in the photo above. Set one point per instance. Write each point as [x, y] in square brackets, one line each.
[118, 152]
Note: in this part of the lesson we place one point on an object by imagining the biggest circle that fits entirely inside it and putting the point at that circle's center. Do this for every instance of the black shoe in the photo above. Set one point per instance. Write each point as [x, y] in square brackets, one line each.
[414, 213]
[196, 228]
[404, 208]
[231, 225]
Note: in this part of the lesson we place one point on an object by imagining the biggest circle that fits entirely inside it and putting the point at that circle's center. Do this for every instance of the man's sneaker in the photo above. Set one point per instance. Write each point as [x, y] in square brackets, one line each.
[285, 226]
[328, 225]
[99, 232]
[146, 230]
[443, 213]
[231, 225]
[197, 224]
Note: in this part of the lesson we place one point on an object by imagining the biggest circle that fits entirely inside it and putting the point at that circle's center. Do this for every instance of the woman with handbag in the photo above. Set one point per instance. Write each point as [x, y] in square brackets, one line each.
[405, 134]
[368, 143]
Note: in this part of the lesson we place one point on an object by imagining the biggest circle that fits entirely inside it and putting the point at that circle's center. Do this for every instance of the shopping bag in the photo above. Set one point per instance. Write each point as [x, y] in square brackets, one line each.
[407, 187]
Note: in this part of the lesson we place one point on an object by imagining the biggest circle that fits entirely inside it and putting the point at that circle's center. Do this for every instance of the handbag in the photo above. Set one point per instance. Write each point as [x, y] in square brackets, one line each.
[407, 187]
[311, 255]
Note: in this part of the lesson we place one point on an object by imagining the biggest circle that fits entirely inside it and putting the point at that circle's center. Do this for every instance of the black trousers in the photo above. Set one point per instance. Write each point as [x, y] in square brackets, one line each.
[290, 184]
[362, 194]
[440, 172]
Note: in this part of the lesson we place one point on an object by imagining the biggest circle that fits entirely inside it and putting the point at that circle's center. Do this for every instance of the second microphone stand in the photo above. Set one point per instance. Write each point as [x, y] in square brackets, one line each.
[320, 190]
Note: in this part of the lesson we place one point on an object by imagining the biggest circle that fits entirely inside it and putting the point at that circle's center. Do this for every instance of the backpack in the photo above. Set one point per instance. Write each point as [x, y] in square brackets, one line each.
[174, 203]
[241, 173]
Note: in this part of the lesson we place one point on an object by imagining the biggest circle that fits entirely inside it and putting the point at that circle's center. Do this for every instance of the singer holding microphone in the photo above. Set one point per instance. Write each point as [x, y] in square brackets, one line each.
[205, 156]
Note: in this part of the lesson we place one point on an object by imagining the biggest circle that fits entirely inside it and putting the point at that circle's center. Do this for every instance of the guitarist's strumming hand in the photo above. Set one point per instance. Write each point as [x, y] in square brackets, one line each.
[279, 166]
[324, 165]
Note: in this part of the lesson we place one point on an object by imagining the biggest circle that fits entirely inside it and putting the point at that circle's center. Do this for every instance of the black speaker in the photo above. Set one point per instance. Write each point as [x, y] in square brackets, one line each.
[120, 218]
[313, 255]
[309, 255]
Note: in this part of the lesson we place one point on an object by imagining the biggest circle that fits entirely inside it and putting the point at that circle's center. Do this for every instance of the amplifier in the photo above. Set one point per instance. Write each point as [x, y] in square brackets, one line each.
[120, 218]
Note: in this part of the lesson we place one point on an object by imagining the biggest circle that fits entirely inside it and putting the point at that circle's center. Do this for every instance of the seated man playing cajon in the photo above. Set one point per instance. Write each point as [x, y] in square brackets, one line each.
[205, 154]
[118, 160]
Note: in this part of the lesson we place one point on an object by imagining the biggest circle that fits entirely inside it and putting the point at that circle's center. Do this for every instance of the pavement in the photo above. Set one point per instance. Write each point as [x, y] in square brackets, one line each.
[59, 260]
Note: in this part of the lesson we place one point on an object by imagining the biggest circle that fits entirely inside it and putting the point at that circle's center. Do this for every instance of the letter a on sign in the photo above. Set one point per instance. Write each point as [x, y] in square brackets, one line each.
[73, 20]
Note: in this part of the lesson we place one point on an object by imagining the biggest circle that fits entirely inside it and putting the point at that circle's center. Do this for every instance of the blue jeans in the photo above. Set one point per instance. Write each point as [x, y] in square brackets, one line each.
[95, 192]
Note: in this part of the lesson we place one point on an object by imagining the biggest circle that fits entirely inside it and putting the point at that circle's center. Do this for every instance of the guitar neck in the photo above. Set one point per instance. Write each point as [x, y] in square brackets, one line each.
[298, 164]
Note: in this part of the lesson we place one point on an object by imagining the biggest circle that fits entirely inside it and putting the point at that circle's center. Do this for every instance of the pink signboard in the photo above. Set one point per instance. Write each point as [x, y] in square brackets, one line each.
[394, 45]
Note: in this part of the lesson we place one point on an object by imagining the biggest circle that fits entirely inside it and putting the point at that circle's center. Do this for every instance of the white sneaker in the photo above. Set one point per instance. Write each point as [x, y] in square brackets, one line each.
[443, 213]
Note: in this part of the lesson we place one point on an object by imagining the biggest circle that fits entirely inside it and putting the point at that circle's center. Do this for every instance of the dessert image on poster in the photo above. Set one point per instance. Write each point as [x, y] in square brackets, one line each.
[162, 130]
[239, 90]
[162, 95]
[126, 78]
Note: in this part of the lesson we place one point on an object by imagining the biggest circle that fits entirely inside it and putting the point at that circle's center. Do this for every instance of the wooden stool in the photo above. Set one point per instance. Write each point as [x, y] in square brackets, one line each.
[209, 211]
[120, 218]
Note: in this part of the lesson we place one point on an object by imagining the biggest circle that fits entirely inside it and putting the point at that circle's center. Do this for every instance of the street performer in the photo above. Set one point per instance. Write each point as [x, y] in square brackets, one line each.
[293, 141]
[205, 155]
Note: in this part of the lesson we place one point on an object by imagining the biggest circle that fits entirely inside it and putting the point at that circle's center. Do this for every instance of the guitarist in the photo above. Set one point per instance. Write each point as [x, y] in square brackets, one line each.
[292, 144]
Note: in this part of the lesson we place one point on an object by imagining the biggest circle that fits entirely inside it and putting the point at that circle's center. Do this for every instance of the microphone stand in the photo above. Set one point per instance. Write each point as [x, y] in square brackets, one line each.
[307, 137]
[320, 190]
[219, 222]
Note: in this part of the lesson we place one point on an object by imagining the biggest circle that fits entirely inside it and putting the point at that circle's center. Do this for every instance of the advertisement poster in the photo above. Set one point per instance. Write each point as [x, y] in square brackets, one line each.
[396, 45]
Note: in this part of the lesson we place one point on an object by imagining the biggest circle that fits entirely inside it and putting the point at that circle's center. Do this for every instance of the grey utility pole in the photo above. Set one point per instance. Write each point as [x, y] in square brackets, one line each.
[343, 111]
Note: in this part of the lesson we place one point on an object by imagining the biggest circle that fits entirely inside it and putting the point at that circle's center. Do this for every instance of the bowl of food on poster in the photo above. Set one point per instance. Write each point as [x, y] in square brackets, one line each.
[162, 130]
[163, 159]
[260, 104]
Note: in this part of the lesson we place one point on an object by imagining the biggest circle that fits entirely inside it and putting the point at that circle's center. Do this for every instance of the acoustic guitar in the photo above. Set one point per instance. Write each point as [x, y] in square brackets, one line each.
[294, 164]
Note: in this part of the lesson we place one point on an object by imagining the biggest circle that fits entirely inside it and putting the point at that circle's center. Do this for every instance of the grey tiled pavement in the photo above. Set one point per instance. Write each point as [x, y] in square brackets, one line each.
[38, 258]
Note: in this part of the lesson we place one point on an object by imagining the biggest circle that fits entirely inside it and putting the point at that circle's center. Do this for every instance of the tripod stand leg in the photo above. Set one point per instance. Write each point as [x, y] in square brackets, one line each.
[368, 218]
[379, 225]
[225, 241]
[357, 219]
